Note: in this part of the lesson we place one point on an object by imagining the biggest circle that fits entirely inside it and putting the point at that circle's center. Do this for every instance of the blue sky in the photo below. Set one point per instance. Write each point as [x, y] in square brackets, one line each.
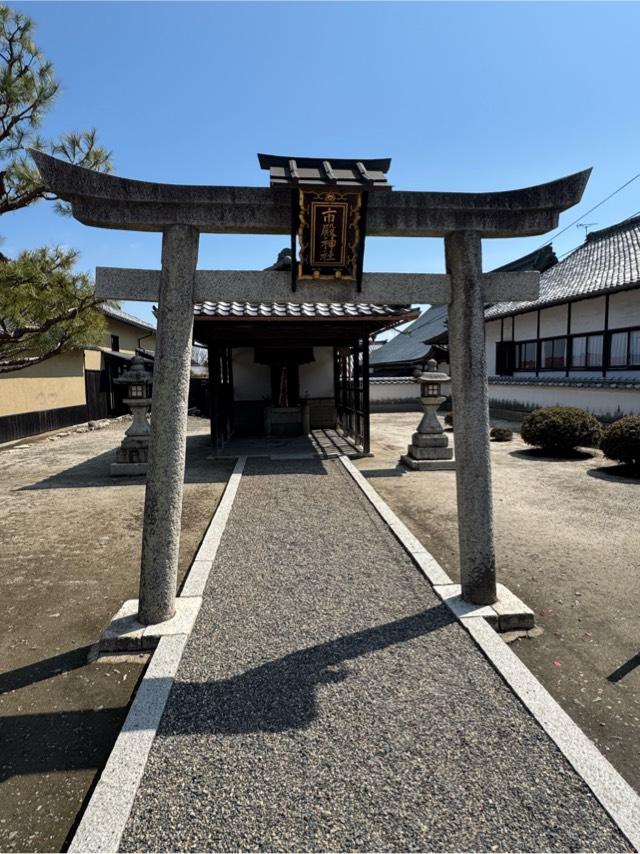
[461, 96]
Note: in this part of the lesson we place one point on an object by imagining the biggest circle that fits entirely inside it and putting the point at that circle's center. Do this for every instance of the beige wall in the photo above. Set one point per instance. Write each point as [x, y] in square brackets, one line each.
[129, 336]
[53, 384]
[93, 360]
[59, 382]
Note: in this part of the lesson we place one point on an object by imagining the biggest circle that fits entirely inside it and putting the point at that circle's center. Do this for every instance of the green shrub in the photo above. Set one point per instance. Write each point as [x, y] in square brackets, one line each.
[448, 419]
[621, 441]
[560, 429]
[501, 434]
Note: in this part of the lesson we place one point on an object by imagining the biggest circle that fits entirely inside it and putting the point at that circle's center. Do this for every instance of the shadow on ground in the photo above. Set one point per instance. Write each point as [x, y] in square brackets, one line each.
[617, 474]
[58, 741]
[261, 466]
[13, 680]
[95, 471]
[398, 471]
[624, 669]
[542, 454]
[280, 695]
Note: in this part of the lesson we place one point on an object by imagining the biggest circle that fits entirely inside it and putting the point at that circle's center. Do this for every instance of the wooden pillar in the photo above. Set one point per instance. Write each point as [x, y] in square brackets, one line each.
[211, 356]
[365, 396]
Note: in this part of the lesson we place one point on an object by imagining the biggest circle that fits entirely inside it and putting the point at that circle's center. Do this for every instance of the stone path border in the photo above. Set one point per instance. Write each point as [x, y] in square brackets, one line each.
[106, 814]
[107, 811]
[614, 793]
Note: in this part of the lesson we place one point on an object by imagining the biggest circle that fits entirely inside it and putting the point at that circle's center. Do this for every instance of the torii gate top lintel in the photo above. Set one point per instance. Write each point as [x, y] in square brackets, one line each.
[108, 201]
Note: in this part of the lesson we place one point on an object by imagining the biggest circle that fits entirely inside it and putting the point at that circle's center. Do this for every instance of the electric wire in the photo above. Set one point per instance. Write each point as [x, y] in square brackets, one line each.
[586, 213]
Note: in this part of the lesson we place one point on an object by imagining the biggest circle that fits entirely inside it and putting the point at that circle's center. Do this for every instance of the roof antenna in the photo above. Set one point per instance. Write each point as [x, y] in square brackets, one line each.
[586, 226]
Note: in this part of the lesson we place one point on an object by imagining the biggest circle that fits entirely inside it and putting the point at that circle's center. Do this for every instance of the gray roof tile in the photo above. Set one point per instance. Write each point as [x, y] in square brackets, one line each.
[609, 260]
[125, 317]
[304, 310]
[409, 345]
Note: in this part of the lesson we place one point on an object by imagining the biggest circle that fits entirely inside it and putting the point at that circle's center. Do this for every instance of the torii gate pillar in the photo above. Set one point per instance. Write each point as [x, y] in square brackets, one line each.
[471, 407]
[167, 447]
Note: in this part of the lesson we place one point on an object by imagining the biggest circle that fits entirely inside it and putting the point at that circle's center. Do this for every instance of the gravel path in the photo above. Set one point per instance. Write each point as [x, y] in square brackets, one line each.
[327, 701]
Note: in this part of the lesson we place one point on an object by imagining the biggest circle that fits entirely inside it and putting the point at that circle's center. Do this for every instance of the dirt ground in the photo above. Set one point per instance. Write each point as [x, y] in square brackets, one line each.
[567, 543]
[71, 540]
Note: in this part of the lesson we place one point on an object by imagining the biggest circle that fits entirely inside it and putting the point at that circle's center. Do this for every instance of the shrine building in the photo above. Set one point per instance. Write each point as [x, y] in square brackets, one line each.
[285, 368]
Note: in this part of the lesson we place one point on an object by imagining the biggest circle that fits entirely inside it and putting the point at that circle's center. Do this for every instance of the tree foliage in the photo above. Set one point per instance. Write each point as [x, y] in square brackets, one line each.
[45, 307]
[27, 91]
[559, 429]
[621, 441]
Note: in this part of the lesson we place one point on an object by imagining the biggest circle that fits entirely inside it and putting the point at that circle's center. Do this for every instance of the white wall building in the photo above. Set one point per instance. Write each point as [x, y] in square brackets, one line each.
[579, 343]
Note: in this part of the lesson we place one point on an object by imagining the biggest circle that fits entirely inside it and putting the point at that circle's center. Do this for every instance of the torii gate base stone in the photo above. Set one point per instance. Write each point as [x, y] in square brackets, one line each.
[182, 212]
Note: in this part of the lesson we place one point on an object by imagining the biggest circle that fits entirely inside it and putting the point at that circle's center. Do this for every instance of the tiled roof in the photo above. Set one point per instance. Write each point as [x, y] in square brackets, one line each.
[414, 344]
[317, 172]
[310, 310]
[570, 382]
[609, 260]
[540, 259]
[409, 345]
[125, 317]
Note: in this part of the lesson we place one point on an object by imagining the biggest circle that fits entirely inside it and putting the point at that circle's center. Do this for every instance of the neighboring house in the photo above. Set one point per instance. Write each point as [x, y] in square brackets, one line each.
[578, 344]
[73, 387]
[427, 337]
[414, 346]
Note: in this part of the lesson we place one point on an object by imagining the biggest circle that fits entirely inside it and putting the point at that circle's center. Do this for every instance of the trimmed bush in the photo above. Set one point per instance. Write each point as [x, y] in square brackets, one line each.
[501, 434]
[559, 429]
[621, 441]
[448, 419]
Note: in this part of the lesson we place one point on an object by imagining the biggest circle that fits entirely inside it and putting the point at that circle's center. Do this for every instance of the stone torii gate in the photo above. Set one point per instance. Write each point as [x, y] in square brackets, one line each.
[182, 212]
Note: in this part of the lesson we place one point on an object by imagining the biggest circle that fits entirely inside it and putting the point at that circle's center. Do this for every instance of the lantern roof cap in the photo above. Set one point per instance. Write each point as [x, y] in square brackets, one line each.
[135, 373]
[431, 375]
[312, 172]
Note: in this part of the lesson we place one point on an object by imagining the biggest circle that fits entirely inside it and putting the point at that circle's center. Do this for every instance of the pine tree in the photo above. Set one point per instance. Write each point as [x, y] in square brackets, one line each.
[45, 307]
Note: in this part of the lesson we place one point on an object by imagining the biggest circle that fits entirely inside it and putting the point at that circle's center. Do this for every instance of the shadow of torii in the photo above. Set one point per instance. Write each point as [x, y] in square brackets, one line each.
[281, 694]
[274, 697]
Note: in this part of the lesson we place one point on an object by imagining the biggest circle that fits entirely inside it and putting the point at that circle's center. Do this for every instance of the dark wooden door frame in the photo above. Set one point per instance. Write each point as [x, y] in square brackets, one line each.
[220, 395]
[351, 391]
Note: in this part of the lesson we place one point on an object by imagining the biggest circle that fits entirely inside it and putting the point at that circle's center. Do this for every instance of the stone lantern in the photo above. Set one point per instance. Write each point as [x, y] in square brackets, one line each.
[429, 449]
[132, 455]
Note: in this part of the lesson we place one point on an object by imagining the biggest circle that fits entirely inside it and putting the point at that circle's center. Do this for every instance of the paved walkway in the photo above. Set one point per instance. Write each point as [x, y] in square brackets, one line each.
[328, 444]
[327, 700]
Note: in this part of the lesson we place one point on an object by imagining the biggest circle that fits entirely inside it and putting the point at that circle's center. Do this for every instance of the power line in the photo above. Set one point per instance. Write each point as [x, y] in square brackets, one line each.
[563, 255]
[576, 221]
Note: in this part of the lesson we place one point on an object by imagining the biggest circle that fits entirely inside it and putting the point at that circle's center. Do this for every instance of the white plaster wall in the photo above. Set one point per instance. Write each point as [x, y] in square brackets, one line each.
[398, 390]
[624, 309]
[599, 401]
[250, 381]
[588, 374]
[492, 335]
[587, 315]
[402, 390]
[507, 333]
[316, 378]
[553, 321]
[525, 326]
[614, 374]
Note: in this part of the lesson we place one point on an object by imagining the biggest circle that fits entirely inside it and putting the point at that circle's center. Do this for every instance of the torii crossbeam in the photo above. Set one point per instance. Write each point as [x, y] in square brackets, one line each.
[182, 212]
